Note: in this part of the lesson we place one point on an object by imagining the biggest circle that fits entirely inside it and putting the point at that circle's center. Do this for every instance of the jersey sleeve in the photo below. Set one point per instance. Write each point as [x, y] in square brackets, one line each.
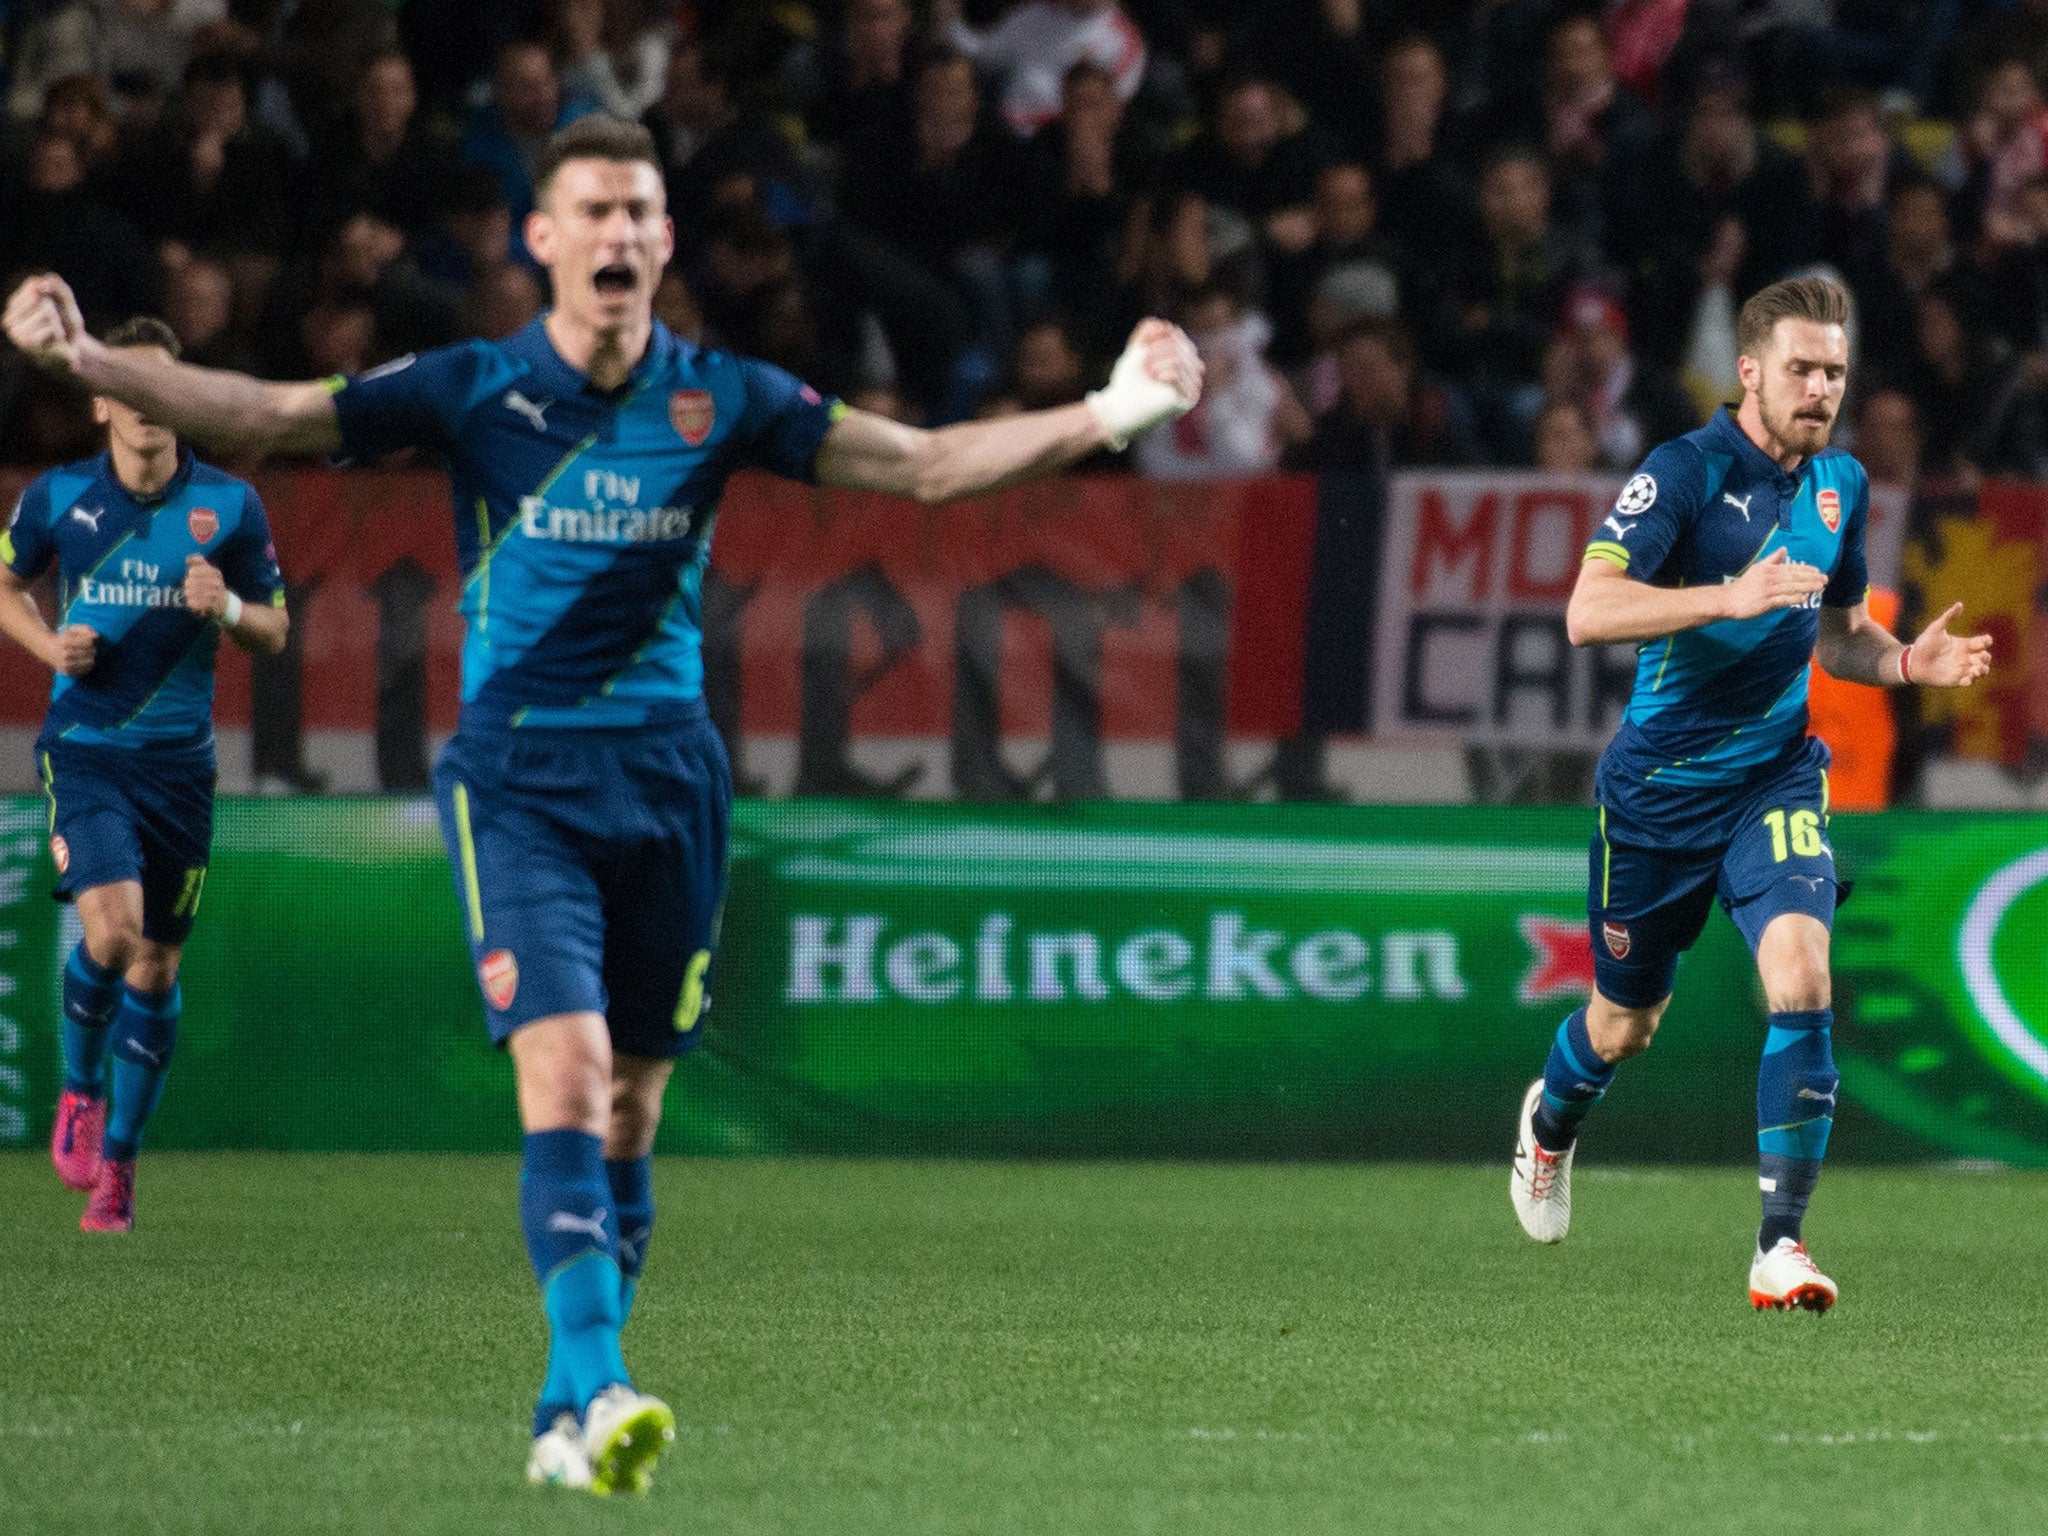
[26, 546]
[1850, 583]
[783, 423]
[1653, 511]
[416, 401]
[248, 560]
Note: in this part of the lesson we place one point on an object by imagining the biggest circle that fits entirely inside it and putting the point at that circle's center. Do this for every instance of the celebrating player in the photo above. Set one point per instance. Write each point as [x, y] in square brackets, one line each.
[585, 796]
[157, 554]
[1734, 557]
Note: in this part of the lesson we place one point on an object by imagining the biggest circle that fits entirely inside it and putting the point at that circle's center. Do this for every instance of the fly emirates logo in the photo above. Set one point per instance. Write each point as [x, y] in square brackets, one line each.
[138, 584]
[610, 515]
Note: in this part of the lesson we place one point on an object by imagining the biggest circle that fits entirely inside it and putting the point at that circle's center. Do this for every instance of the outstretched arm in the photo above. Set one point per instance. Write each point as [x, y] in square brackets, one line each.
[1609, 606]
[1157, 378]
[1857, 649]
[209, 407]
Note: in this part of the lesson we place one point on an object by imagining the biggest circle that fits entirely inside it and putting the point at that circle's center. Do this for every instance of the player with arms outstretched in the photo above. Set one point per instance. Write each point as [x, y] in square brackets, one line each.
[1734, 557]
[157, 555]
[585, 796]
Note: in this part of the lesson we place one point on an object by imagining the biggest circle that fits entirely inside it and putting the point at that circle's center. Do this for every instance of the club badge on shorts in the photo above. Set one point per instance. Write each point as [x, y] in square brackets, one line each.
[1618, 941]
[1830, 504]
[60, 851]
[204, 523]
[499, 974]
[693, 413]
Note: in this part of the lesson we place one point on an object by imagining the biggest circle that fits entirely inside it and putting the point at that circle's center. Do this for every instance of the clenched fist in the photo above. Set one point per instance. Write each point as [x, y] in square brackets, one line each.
[73, 649]
[206, 590]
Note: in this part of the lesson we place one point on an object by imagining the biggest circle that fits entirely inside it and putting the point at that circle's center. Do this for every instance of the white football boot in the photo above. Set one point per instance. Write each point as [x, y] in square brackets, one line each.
[558, 1459]
[1541, 1183]
[1785, 1279]
[624, 1432]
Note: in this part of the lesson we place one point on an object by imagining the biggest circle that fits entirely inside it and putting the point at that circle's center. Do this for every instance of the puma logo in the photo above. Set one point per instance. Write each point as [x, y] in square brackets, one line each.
[592, 1226]
[89, 516]
[1621, 530]
[535, 413]
[1741, 505]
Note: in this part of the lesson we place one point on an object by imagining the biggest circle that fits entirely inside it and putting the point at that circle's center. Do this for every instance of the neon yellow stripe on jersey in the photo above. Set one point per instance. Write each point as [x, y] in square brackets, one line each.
[334, 383]
[470, 889]
[277, 598]
[7, 545]
[50, 790]
[1608, 550]
[1606, 858]
[1827, 794]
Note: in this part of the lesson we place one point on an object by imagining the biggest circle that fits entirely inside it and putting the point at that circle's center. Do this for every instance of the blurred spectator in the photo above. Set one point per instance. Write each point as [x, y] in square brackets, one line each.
[1031, 49]
[199, 305]
[1257, 161]
[1565, 441]
[855, 85]
[321, 47]
[501, 302]
[1075, 183]
[1346, 238]
[2004, 143]
[1978, 412]
[1887, 441]
[386, 161]
[1048, 370]
[133, 44]
[949, 206]
[1718, 169]
[57, 223]
[712, 153]
[1889, 46]
[1503, 295]
[1918, 255]
[1423, 200]
[613, 52]
[1854, 168]
[209, 176]
[1247, 415]
[676, 307]
[1633, 406]
[506, 133]
[1387, 416]
[1593, 128]
[76, 108]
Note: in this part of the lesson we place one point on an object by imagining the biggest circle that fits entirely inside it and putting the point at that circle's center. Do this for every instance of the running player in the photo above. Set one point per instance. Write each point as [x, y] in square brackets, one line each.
[1734, 557]
[157, 555]
[584, 798]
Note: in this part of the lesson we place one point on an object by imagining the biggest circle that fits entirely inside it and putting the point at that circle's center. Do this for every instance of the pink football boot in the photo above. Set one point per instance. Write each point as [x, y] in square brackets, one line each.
[112, 1206]
[75, 1141]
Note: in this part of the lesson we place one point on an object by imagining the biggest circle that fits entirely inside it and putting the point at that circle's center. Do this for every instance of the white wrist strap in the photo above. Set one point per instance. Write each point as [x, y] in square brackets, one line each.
[231, 615]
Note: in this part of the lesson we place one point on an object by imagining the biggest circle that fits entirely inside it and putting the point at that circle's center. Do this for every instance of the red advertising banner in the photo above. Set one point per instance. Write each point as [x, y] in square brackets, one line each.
[1101, 636]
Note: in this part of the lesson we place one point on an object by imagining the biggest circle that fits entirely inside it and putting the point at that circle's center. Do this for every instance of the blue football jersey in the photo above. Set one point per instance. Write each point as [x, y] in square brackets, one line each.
[121, 569]
[1711, 705]
[583, 518]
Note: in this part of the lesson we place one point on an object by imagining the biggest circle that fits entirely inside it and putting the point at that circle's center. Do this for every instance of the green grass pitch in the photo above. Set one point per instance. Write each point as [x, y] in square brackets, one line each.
[349, 1344]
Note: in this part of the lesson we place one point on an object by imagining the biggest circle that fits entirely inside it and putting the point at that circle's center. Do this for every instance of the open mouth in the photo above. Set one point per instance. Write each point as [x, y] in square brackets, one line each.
[614, 279]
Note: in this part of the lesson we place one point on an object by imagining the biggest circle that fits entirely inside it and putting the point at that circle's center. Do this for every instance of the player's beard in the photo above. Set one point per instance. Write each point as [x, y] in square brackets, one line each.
[1792, 432]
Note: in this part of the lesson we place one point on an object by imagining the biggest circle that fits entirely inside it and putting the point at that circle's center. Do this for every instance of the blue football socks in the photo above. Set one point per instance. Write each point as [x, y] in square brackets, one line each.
[1574, 1080]
[91, 994]
[145, 1033]
[565, 1206]
[632, 1184]
[1795, 1109]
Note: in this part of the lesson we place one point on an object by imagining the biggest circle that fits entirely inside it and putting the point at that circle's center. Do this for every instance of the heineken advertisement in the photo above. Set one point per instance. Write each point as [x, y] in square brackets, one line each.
[1101, 980]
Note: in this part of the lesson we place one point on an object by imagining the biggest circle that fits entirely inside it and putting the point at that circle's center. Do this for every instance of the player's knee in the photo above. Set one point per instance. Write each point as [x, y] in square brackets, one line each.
[637, 1085]
[564, 1066]
[1618, 1033]
[114, 941]
[1795, 974]
[152, 967]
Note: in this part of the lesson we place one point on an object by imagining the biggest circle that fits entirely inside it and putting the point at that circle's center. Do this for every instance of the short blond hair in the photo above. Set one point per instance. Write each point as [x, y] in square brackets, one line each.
[1791, 298]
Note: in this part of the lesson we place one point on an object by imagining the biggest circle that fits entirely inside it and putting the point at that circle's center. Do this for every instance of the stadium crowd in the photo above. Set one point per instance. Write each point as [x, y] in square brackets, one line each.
[1403, 233]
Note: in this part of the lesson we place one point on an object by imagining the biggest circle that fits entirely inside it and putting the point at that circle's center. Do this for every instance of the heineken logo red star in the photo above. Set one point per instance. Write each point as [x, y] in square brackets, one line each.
[204, 523]
[693, 413]
[1561, 958]
[499, 974]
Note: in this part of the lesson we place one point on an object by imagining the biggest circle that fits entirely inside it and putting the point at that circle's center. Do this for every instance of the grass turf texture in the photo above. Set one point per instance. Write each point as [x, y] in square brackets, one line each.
[350, 1344]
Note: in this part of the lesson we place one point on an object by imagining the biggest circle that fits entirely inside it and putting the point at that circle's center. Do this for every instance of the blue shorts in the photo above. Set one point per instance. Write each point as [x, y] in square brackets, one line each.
[1662, 857]
[119, 813]
[590, 867]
